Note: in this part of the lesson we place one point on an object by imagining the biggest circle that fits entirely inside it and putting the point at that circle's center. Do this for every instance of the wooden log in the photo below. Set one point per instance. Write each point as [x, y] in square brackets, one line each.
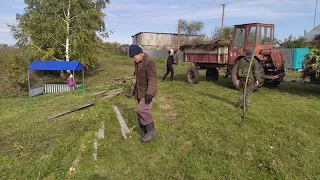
[107, 95]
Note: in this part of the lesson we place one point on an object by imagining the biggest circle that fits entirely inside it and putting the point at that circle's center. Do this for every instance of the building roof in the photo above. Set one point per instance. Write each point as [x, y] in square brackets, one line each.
[311, 35]
[55, 65]
[164, 33]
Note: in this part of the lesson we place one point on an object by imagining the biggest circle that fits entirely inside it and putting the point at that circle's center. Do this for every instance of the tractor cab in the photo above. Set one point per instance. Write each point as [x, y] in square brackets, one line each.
[249, 36]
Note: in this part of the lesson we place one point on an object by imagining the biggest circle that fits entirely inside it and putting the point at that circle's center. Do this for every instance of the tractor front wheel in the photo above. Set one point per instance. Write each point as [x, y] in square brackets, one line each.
[276, 82]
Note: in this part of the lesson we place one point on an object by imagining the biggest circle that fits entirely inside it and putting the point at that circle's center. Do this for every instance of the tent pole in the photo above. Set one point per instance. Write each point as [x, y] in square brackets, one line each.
[83, 77]
[28, 83]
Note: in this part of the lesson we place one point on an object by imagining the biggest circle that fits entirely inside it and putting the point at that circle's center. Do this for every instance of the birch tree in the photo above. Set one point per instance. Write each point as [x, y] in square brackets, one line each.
[63, 29]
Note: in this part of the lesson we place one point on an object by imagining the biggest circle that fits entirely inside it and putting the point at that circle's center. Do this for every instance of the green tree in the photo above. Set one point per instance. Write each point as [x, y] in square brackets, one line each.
[292, 42]
[192, 27]
[13, 65]
[63, 29]
[276, 43]
[227, 30]
[191, 32]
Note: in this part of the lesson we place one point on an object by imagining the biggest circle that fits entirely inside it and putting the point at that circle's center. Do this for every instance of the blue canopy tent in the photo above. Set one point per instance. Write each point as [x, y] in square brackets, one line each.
[53, 66]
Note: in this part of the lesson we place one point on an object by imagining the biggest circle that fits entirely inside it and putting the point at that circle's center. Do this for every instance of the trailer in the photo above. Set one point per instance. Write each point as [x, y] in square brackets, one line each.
[205, 56]
[217, 54]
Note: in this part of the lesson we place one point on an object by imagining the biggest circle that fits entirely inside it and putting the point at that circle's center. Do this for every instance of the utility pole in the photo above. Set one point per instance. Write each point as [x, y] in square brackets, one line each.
[315, 14]
[179, 29]
[221, 30]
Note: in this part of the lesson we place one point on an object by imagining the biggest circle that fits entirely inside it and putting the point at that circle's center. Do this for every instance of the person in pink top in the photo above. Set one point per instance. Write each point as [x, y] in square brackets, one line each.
[70, 79]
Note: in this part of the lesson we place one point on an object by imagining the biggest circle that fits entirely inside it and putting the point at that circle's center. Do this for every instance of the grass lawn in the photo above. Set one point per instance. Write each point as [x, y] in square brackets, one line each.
[197, 136]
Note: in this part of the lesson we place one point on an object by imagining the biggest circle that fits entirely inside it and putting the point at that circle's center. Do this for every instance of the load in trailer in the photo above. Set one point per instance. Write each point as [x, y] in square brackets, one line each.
[211, 56]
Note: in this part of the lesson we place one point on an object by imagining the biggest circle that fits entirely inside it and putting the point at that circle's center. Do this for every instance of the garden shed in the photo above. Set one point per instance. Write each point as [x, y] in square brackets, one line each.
[51, 65]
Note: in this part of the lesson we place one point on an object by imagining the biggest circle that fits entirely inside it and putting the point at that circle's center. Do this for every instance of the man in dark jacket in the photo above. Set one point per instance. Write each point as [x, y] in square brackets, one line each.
[170, 61]
[145, 90]
[254, 77]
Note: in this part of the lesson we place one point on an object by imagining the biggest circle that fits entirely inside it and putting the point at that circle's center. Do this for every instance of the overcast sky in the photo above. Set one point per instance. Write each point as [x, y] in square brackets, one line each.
[128, 17]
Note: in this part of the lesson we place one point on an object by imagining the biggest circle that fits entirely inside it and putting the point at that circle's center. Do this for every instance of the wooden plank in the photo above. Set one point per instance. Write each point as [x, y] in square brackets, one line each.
[107, 95]
[72, 110]
[123, 134]
[99, 93]
[124, 128]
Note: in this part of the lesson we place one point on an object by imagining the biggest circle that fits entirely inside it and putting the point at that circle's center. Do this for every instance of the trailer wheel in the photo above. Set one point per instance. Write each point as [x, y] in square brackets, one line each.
[193, 76]
[212, 74]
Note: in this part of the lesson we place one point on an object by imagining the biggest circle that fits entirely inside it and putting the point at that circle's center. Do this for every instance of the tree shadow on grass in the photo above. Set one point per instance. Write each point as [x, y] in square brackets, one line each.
[297, 89]
[225, 82]
[98, 177]
[212, 96]
[288, 87]
[181, 77]
[92, 72]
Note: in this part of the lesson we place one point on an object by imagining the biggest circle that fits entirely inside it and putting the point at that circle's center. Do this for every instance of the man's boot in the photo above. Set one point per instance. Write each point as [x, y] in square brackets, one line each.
[143, 129]
[151, 133]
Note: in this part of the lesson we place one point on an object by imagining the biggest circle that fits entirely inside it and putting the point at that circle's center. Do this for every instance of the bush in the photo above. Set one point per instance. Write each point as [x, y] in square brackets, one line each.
[312, 60]
[14, 63]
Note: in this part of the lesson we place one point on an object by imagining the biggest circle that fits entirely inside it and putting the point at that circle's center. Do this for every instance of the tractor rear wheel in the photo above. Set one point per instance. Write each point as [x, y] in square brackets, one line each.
[193, 76]
[276, 82]
[212, 74]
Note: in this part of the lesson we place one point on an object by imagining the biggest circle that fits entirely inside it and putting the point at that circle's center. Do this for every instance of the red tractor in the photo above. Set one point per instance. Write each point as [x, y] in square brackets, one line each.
[218, 55]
